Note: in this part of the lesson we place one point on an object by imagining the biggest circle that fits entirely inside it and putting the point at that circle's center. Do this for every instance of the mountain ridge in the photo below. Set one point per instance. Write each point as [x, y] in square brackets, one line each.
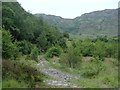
[102, 22]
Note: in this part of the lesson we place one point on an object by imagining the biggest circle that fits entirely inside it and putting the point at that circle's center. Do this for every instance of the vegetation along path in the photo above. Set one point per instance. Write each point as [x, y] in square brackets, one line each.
[61, 79]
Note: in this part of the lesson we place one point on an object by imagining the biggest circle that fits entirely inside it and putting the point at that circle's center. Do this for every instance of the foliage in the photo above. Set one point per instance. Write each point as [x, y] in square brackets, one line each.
[99, 50]
[53, 51]
[87, 48]
[66, 35]
[34, 53]
[21, 72]
[10, 49]
[42, 42]
[91, 24]
[111, 80]
[71, 59]
[93, 68]
[96, 47]
[25, 34]
[25, 47]
[12, 83]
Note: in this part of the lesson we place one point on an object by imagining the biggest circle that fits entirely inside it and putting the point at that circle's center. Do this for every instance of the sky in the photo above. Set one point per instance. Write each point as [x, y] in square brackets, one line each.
[67, 8]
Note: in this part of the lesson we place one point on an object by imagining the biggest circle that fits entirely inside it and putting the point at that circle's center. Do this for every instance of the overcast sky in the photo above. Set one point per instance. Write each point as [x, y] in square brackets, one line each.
[67, 8]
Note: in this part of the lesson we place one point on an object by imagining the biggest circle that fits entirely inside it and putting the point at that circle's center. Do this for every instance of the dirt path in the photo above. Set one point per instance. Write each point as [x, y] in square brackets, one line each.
[61, 78]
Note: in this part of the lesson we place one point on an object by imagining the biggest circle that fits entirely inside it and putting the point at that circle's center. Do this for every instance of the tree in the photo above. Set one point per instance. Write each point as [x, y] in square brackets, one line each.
[99, 49]
[71, 59]
[42, 43]
[25, 47]
[54, 51]
[9, 48]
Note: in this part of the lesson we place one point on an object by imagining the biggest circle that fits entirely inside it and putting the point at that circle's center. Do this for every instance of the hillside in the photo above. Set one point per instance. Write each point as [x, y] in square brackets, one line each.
[24, 38]
[96, 23]
[36, 54]
[64, 25]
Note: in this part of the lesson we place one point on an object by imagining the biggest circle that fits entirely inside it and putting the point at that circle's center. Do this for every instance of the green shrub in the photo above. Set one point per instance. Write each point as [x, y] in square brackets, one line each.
[42, 43]
[93, 68]
[34, 53]
[66, 35]
[53, 51]
[99, 50]
[89, 70]
[21, 72]
[12, 83]
[87, 49]
[9, 49]
[71, 59]
[98, 62]
[25, 47]
[111, 80]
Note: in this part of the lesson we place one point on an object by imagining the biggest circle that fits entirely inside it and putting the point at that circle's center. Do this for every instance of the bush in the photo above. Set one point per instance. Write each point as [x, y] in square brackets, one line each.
[66, 35]
[12, 83]
[25, 47]
[71, 59]
[42, 42]
[34, 54]
[9, 49]
[89, 70]
[99, 50]
[93, 68]
[111, 80]
[21, 72]
[87, 49]
[53, 51]
[111, 50]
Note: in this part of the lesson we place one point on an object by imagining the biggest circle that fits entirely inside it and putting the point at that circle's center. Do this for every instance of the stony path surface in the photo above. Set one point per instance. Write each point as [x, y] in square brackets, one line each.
[60, 83]
[61, 78]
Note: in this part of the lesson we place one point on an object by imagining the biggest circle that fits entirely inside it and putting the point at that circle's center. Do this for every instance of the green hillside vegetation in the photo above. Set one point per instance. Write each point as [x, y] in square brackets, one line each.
[93, 24]
[95, 61]
[26, 37]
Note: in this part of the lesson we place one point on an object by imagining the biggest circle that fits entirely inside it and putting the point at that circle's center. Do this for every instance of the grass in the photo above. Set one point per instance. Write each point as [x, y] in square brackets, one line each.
[86, 83]
[100, 81]
[22, 73]
[55, 63]
[107, 78]
[0, 84]
[12, 83]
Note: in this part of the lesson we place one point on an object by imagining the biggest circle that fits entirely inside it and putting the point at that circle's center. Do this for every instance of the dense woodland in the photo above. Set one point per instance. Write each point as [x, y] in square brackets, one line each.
[25, 37]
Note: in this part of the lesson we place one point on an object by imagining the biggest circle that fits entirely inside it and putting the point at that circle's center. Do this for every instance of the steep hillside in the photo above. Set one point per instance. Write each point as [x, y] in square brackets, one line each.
[99, 22]
[24, 38]
[64, 25]
[104, 22]
[25, 26]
